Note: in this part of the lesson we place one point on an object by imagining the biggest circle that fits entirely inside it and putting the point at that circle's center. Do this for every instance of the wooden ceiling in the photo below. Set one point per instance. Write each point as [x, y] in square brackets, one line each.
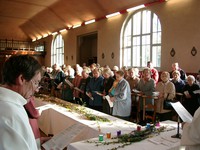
[28, 19]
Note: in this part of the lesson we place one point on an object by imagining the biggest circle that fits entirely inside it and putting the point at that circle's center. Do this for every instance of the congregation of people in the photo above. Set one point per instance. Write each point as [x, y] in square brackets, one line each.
[89, 86]
[92, 87]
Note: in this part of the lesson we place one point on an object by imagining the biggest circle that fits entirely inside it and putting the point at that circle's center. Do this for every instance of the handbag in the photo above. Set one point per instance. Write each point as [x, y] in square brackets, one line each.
[167, 103]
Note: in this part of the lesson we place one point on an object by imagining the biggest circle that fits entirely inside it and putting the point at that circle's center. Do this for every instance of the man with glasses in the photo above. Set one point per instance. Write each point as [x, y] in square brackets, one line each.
[21, 76]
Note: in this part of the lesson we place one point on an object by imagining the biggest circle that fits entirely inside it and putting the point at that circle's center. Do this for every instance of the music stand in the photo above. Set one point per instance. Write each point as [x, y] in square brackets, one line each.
[177, 135]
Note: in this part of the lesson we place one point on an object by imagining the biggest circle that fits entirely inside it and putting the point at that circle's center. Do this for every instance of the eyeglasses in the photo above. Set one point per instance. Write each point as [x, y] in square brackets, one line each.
[36, 84]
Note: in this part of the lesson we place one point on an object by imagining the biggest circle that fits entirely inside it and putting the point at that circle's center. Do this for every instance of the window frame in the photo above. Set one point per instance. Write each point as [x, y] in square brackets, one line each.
[57, 52]
[124, 35]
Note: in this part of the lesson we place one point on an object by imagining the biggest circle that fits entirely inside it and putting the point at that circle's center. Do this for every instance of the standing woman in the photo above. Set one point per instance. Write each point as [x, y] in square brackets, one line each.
[122, 97]
[146, 86]
[76, 83]
[84, 82]
[107, 83]
[95, 85]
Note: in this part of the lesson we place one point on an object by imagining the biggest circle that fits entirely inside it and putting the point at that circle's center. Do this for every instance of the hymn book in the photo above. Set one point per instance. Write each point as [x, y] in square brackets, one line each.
[107, 97]
[63, 139]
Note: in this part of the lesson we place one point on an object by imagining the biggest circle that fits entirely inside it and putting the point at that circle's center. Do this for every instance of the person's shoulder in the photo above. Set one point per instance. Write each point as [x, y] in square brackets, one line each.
[169, 83]
[154, 70]
[101, 78]
[151, 80]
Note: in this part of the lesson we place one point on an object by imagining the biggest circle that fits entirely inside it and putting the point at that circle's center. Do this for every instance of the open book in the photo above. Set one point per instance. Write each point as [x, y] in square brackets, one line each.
[63, 139]
[100, 94]
[69, 83]
[92, 98]
[107, 97]
[182, 112]
[196, 92]
[75, 88]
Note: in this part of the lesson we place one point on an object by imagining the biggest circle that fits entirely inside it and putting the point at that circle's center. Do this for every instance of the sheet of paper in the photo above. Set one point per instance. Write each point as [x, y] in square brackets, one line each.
[68, 82]
[196, 92]
[136, 91]
[182, 112]
[186, 92]
[89, 96]
[107, 97]
[75, 88]
[63, 139]
[98, 93]
[44, 107]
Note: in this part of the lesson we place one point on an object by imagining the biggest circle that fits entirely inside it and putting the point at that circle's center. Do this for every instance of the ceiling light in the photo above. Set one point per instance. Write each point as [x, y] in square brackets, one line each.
[33, 40]
[39, 37]
[45, 35]
[76, 26]
[54, 33]
[90, 21]
[63, 30]
[135, 8]
[112, 15]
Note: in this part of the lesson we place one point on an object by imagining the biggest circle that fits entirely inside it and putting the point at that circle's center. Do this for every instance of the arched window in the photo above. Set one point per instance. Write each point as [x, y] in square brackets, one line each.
[57, 53]
[141, 40]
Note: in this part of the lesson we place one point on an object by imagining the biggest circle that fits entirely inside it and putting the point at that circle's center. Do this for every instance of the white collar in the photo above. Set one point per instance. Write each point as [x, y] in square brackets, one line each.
[8, 95]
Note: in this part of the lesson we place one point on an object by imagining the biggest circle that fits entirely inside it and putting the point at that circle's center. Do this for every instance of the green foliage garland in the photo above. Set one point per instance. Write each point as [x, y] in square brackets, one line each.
[128, 139]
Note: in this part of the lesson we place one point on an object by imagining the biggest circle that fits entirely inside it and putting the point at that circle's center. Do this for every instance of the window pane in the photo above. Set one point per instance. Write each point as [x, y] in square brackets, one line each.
[145, 55]
[137, 23]
[156, 56]
[136, 56]
[127, 41]
[127, 57]
[156, 24]
[128, 28]
[136, 40]
[146, 22]
[146, 40]
[156, 38]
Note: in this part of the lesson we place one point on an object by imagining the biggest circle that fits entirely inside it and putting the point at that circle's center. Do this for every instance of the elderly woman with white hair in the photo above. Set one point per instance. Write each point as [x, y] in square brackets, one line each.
[191, 100]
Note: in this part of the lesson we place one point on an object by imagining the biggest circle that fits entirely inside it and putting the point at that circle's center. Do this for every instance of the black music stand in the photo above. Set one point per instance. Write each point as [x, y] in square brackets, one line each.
[177, 135]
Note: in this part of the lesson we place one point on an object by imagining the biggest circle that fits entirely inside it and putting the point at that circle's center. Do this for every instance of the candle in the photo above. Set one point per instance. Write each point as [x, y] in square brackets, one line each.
[108, 135]
[148, 126]
[118, 132]
[138, 128]
[100, 137]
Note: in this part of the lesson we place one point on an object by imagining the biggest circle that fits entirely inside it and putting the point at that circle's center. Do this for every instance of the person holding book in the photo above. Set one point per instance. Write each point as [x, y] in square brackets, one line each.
[94, 87]
[107, 83]
[191, 99]
[121, 97]
[21, 77]
[76, 84]
[84, 82]
[146, 86]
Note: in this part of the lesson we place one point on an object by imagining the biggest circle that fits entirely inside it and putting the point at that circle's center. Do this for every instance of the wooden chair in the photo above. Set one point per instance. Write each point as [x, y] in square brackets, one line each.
[149, 107]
